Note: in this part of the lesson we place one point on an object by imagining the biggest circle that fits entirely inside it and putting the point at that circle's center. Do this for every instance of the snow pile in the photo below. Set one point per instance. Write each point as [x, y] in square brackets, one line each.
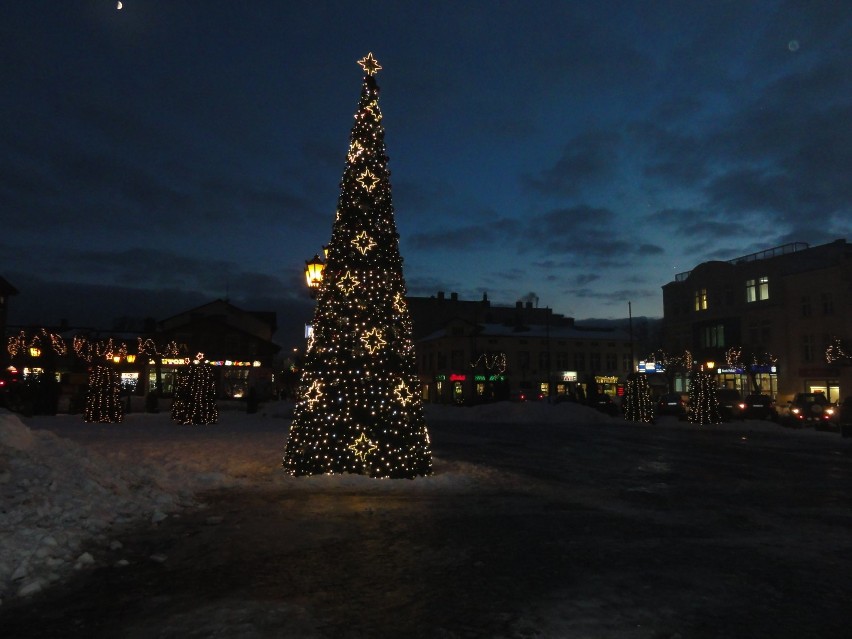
[55, 495]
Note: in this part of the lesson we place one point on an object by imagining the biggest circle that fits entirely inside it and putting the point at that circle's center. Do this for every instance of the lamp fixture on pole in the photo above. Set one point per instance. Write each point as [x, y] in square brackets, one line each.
[313, 273]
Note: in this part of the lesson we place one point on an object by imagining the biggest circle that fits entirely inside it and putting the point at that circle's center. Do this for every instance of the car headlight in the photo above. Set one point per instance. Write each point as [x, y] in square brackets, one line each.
[829, 411]
[795, 411]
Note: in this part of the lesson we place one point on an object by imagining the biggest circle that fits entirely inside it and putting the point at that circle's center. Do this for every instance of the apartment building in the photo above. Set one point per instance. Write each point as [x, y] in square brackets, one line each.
[781, 308]
[476, 352]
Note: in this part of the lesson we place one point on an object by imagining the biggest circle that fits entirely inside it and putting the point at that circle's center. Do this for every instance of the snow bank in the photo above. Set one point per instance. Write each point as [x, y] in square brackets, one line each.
[55, 495]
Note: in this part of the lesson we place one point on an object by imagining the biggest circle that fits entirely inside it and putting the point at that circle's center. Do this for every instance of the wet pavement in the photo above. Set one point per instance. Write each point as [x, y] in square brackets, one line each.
[588, 531]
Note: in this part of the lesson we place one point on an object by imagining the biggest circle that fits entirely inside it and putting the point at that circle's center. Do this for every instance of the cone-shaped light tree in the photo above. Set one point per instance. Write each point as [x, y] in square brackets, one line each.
[359, 409]
[638, 405]
[103, 400]
[195, 394]
[703, 402]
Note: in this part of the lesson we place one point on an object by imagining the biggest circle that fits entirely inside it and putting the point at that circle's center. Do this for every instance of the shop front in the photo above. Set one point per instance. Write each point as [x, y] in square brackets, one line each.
[233, 378]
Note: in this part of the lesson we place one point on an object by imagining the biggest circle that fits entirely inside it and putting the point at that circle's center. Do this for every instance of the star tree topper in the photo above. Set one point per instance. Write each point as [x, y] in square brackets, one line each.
[370, 65]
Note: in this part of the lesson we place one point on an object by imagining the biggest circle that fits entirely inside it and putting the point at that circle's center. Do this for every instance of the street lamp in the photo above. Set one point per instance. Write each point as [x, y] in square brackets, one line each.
[313, 274]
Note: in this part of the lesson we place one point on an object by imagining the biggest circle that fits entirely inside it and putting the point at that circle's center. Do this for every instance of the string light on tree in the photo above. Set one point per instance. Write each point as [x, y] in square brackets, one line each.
[356, 411]
[703, 402]
[103, 401]
[637, 403]
[195, 394]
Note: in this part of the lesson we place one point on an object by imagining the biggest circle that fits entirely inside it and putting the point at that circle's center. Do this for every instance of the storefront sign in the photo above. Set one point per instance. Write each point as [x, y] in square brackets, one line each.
[457, 377]
[567, 376]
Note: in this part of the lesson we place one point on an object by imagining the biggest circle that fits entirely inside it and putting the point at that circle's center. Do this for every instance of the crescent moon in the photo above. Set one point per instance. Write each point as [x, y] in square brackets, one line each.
[119, 6]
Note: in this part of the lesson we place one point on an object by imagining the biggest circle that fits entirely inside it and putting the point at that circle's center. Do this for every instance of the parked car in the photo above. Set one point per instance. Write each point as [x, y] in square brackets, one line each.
[603, 403]
[671, 404]
[758, 407]
[845, 417]
[729, 403]
[811, 409]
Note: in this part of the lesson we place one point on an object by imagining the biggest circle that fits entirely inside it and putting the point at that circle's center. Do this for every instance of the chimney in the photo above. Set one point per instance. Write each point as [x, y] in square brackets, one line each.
[440, 295]
[454, 297]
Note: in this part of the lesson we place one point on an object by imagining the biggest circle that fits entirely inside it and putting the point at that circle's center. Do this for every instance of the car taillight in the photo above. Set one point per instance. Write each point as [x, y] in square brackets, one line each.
[742, 406]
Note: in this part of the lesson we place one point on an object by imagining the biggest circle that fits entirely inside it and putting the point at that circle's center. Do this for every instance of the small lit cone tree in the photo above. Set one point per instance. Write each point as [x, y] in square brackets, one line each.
[703, 402]
[637, 403]
[103, 397]
[195, 395]
[358, 409]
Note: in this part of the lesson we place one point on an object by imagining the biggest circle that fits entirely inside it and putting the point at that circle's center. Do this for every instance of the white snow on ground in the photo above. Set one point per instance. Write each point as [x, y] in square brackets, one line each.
[65, 483]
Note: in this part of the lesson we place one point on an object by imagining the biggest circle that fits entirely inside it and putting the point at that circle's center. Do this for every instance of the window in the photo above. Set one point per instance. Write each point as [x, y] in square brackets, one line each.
[627, 359]
[543, 360]
[701, 299]
[757, 289]
[827, 304]
[713, 336]
[562, 360]
[523, 360]
[808, 348]
[611, 362]
[457, 360]
[595, 362]
[580, 362]
[806, 305]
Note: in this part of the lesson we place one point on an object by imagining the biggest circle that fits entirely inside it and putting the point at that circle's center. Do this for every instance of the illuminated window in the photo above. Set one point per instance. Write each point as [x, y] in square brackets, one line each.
[701, 299]
[757, 289]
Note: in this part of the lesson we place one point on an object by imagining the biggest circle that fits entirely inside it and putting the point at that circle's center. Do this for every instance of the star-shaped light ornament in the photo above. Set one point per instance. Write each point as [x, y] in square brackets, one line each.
[373, 108]
[314, 392]
[363, 242]
[355, 150]
[399, 303]
[362, 447]
[373, 341]
[348, 283]
[403, 392]
[370, 65]
[368, 180]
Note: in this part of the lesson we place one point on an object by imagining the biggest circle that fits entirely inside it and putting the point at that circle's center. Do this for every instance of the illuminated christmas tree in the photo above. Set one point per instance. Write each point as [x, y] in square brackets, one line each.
[637, 403]
[359, 408]
[703, 402]
[103, 396]
[195, 395]
[103, 399]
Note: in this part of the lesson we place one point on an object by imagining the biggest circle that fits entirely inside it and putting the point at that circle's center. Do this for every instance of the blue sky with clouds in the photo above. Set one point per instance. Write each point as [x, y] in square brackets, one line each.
[159, 156]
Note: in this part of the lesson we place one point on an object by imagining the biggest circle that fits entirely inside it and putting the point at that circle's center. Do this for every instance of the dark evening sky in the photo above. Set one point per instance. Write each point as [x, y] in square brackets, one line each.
[160, 156]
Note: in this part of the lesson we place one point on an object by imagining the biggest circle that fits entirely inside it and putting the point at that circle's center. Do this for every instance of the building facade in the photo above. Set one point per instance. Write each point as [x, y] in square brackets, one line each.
[237, 343]
[776, 311]
[6, 291]
[483, 353]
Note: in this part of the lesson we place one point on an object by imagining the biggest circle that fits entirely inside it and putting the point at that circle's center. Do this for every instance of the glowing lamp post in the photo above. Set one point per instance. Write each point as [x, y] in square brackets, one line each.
[313, 274]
